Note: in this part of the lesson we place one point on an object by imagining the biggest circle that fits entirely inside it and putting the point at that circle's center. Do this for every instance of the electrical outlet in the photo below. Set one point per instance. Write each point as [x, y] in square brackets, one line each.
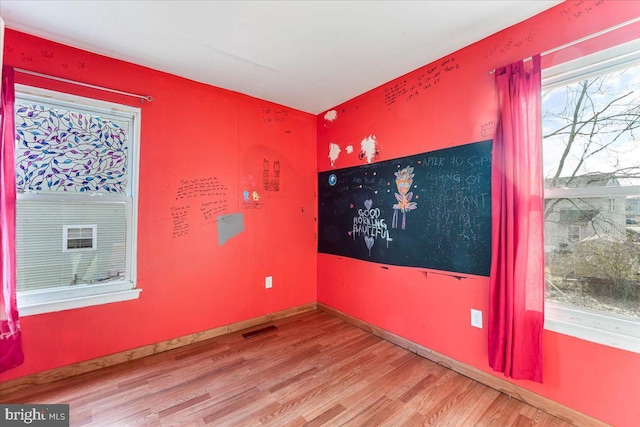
[476, 318]
[268, 282]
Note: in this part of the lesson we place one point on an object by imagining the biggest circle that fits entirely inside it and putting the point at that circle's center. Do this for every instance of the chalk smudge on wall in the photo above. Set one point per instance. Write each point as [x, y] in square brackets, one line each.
[334, 152]
[369, 148]
[331, 115]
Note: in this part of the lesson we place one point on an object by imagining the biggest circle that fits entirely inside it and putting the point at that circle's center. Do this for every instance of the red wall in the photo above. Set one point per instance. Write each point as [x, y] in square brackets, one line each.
[189, 283]
[434, 310]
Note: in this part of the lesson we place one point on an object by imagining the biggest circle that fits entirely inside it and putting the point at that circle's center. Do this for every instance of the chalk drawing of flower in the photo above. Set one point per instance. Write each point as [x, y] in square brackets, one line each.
[404, 180]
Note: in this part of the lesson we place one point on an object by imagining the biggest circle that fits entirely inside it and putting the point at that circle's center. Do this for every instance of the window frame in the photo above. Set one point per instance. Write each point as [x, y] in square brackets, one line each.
[599, 327]
[39, 301]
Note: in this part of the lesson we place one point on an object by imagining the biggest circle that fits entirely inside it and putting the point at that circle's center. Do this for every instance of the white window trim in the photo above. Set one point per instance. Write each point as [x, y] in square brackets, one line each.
[78, 296]
[591, 192]
[598, 327]
[70, 297]
[602, 328]
[615, 58]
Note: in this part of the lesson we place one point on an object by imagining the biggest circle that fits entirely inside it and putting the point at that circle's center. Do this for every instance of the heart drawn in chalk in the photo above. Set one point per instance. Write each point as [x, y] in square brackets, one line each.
[369, 242]
[368, 204]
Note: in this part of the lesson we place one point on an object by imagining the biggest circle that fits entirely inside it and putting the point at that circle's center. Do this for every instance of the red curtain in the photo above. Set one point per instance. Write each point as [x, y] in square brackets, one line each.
[516, 305]
[10, 334]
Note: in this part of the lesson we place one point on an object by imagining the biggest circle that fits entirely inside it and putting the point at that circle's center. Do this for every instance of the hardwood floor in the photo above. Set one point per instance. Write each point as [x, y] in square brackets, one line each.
[312, 370]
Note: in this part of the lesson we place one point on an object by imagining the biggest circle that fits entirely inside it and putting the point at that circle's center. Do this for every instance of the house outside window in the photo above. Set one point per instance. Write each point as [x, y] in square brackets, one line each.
[574, 234]
[76, 179]
[591, 157]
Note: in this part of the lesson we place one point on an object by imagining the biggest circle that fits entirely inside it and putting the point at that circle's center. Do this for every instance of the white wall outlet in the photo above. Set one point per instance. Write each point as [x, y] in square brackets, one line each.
[476, 318]
[268, 282]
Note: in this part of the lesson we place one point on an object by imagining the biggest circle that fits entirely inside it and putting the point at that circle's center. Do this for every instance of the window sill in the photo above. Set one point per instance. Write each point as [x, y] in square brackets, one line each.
[605, 329]
[68, 297]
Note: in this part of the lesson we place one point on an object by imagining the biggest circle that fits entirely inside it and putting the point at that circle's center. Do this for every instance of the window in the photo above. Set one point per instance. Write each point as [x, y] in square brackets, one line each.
[591, 157]
[76, 179]
[79, 238]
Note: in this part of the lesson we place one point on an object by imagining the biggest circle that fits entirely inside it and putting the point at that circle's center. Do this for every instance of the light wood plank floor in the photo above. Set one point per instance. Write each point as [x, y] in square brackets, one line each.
[312, 370]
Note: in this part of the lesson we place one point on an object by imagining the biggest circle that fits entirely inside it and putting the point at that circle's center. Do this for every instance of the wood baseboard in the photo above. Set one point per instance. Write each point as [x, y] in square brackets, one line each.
[55, 374]
[550, 406]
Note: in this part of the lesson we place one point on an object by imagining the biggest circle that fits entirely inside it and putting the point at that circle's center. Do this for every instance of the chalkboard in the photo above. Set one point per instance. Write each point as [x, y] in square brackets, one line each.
[430, 210]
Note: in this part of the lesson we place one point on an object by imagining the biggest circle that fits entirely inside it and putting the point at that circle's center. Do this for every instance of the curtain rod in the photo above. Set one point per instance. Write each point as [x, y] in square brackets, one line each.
[584, 39]
[142, 98]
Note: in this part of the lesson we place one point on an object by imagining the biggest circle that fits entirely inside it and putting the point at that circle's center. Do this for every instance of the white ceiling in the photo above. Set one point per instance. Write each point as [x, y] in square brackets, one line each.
[309, 55]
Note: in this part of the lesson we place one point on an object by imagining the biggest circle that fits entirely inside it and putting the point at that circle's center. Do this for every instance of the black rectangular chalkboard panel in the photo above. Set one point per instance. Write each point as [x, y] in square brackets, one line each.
[430, 210]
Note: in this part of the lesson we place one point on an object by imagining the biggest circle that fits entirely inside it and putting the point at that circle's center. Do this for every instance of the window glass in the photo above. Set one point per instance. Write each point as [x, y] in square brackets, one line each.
[591, 150]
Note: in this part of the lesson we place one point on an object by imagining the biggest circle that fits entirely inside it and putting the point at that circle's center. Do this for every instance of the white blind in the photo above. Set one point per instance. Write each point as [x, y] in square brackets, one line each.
[41, 260]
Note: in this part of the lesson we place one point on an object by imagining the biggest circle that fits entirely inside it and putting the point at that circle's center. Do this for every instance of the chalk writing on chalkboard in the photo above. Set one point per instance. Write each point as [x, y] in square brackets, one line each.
[404, 180]
[368, 224]
[447, 224]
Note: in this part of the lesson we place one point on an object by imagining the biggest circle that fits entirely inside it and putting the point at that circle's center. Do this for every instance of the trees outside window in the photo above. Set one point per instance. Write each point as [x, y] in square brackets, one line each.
[591, 156]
